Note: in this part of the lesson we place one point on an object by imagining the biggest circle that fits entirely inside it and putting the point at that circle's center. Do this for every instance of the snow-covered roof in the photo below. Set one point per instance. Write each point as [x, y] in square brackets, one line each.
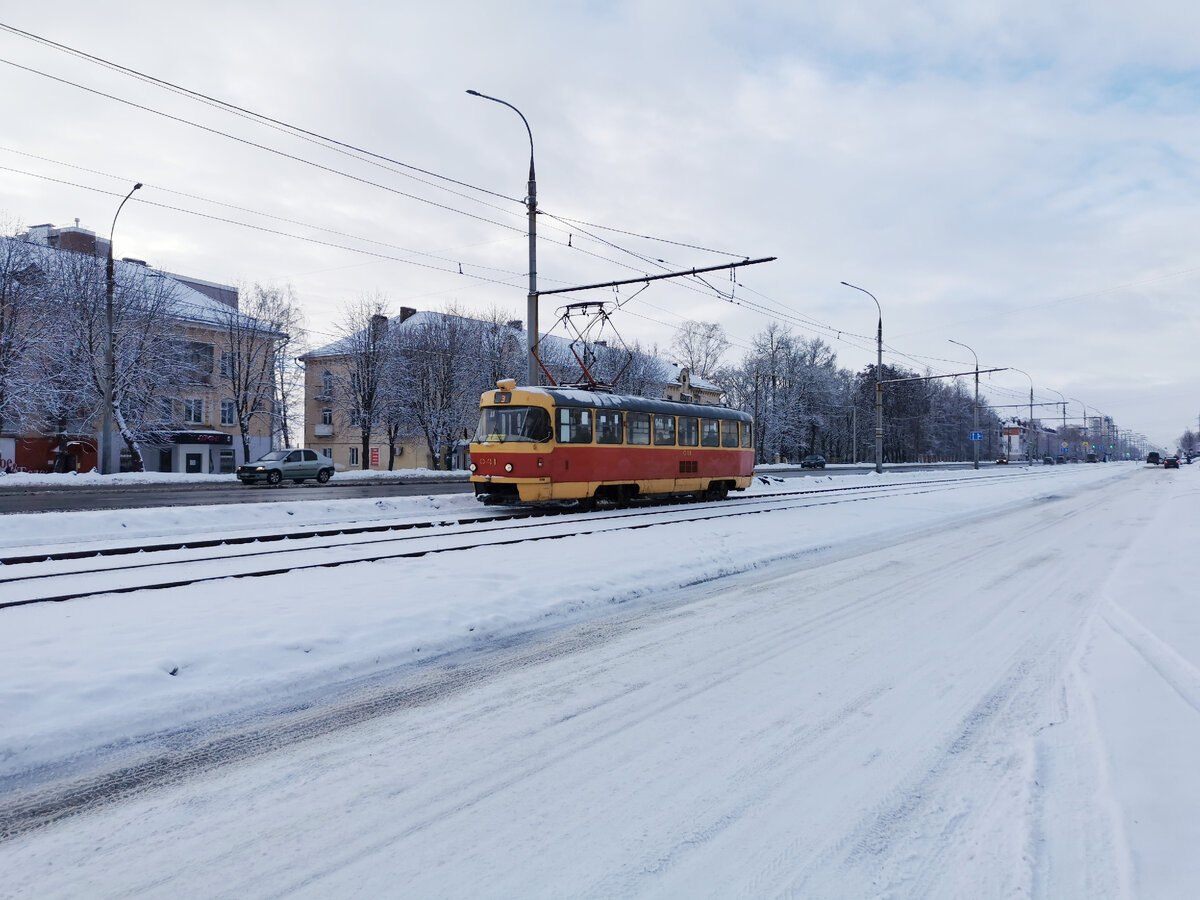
[347, 344]
[190, 304]
[700, 384]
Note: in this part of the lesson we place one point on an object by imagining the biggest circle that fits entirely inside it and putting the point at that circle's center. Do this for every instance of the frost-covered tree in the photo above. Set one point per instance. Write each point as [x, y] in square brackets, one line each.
[699, 346]
[437, 376]
[25, 331]
[251, 339]
[150, 361]
[364, 344]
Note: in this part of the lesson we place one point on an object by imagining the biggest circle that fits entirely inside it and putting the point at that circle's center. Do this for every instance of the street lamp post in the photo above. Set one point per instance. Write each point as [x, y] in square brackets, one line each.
[976, 416]
[1084, 426]
[110, 364]
[1029, 427]
[1101, 431]
[878, 379]
[531, 311]
[1064, 417]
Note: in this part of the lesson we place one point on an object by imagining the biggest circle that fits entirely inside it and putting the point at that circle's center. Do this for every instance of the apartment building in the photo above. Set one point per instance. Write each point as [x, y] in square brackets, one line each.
[192, 426]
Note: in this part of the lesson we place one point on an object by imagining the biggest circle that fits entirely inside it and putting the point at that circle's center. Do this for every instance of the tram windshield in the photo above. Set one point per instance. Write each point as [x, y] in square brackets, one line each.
[528, 424]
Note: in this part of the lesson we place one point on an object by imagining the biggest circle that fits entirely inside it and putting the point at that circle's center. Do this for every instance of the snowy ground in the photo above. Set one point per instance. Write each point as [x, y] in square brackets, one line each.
[983, 692]
[18, 480]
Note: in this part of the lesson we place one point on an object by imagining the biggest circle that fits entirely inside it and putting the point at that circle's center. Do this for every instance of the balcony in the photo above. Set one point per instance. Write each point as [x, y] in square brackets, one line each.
[323, 430]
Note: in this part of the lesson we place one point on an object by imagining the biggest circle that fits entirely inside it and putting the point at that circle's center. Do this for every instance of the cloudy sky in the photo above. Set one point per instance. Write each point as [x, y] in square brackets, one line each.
[1018, 177]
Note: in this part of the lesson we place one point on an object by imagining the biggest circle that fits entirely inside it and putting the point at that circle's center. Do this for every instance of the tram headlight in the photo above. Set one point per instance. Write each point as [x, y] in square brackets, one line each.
[508, 468]
[472, 467]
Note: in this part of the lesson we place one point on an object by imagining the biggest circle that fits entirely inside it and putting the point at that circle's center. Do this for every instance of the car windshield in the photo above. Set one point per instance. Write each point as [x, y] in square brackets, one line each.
[273, 456]
[498, 424]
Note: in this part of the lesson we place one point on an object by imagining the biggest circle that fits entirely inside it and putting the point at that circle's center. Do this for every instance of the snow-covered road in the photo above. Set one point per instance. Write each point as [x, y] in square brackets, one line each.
[991, 696]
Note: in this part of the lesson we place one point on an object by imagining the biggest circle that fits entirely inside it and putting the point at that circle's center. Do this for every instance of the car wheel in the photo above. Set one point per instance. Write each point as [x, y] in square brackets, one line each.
[274, 478]
[323, 476]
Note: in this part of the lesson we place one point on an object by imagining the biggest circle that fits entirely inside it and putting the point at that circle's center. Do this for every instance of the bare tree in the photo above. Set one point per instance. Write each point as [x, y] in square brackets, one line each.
[501, 347]
[364, 343]
[699, 346]
[437, 387]
[251, 340]
[150, 361]
[24, 321]
[289, 378]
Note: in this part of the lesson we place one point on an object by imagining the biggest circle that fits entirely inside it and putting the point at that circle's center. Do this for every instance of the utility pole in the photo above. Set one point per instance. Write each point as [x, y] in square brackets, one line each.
[975, 419]
[110, 365]
[531, 301]
[878, 379]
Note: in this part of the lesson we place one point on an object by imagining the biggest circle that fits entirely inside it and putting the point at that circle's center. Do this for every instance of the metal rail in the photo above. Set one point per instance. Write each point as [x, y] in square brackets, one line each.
[431, 539]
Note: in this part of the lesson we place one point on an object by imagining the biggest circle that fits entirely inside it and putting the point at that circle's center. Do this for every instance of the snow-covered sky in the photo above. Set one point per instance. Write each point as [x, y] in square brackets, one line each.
[1017, 176]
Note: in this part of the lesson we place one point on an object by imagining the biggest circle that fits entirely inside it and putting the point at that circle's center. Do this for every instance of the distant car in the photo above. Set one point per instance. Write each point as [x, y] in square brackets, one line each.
[297, 465]
[1091, 457]
[1002, 461]
[1171, 462]
[1060, 460]
[813, 462]
[1047, 460]
[1153, 458]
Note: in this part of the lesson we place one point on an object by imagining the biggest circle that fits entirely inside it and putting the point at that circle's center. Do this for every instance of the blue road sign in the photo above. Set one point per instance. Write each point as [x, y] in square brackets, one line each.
[977, 435]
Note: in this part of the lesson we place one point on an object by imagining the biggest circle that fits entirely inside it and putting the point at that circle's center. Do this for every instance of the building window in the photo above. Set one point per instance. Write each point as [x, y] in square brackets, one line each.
[202, 357]
[327, 452]
[167, 410]
[353, 456]
[327, 416]
[326, 384]
[226, 363]
[228, 413]
[193, 411]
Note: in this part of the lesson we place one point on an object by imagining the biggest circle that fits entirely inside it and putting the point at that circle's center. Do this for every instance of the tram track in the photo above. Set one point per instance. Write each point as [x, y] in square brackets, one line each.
[59, 576]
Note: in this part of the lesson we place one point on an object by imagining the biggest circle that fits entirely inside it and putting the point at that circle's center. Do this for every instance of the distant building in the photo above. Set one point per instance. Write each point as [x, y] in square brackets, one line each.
[332, 430]
[196, 430]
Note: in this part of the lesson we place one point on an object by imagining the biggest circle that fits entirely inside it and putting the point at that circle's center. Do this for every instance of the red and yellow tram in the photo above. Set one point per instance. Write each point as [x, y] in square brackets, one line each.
[545, 444]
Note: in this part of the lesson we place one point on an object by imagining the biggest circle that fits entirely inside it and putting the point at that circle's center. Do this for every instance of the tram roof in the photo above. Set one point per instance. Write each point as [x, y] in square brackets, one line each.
[602, 400]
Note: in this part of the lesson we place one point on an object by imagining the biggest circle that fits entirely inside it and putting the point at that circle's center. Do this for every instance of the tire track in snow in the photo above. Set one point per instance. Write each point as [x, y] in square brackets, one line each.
[1181, 675]
[1085, 840]
[912, 839]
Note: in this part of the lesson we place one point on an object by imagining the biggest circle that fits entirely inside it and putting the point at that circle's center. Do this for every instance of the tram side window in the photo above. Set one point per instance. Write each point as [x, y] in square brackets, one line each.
[608, 427]
[664, 431]
[729, 433]
[747, 435]
[639, 428]
[574, 426]
[710, 435]
[689, 431]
